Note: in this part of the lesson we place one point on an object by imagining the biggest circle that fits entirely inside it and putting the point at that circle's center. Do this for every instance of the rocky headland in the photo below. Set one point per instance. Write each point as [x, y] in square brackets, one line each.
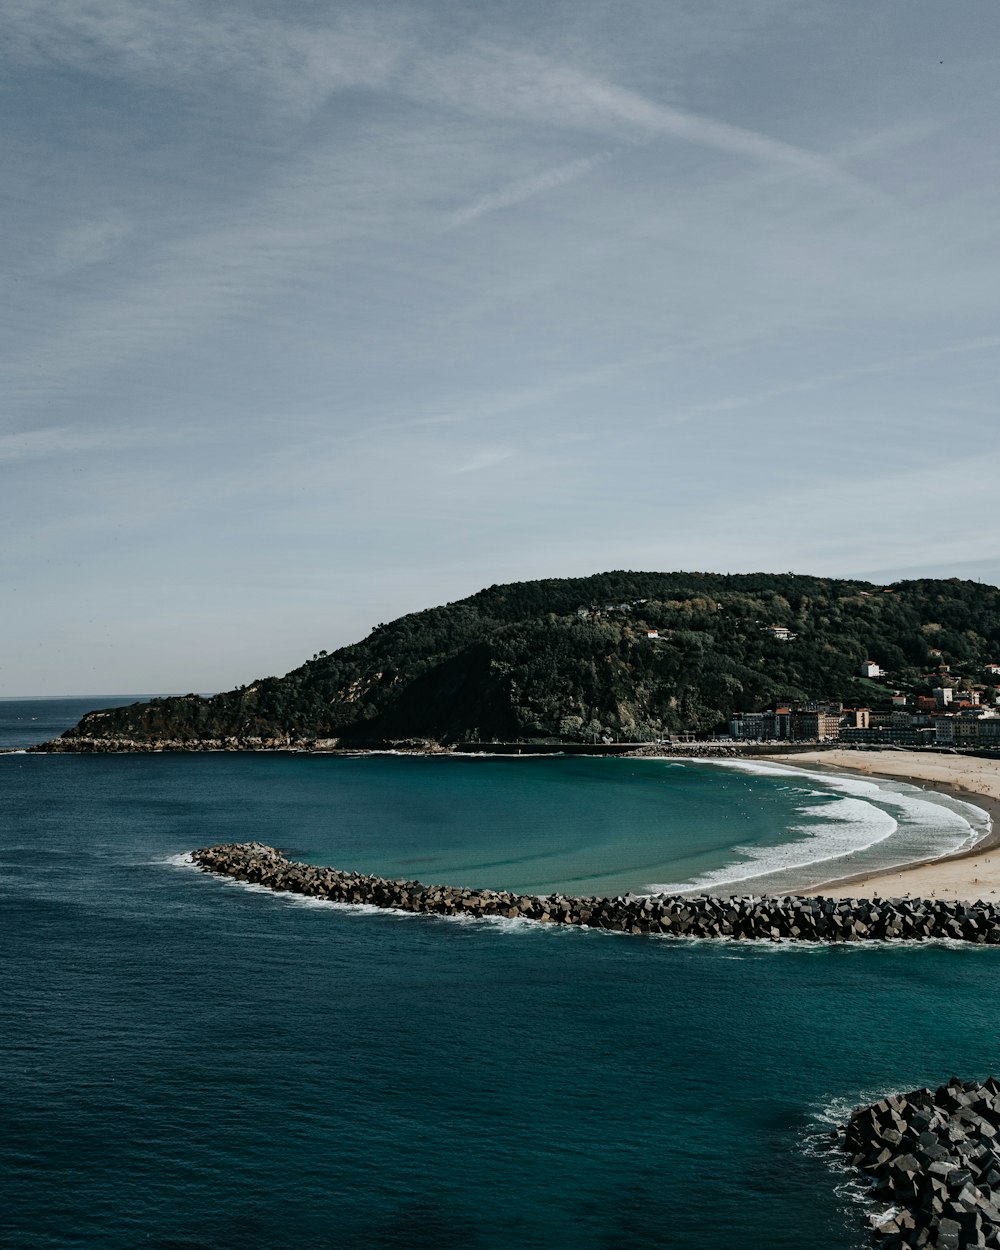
[745, 917]
[932, 1158]
[622, 656]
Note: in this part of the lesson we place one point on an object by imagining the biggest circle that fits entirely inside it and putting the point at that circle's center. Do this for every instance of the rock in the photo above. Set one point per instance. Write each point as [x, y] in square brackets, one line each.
[937, 1173]
[787, 918]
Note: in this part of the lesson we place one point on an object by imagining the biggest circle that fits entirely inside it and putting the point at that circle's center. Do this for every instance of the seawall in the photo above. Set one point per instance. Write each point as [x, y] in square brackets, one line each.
[932, 1160]
[748, 917]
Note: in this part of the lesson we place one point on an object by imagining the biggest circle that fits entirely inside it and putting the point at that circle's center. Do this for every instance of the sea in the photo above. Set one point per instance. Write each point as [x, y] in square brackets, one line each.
[194, 1063]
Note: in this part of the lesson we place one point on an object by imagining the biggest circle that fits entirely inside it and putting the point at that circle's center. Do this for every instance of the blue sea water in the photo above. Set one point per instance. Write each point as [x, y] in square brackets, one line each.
[24, 722]
[194, 1063]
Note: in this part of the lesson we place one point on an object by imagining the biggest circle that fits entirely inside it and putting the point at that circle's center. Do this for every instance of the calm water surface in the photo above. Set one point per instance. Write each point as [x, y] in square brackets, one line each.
[193, 1063]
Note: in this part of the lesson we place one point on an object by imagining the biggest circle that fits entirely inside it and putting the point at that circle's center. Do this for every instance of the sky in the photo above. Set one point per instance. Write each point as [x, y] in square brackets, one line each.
[321, 313]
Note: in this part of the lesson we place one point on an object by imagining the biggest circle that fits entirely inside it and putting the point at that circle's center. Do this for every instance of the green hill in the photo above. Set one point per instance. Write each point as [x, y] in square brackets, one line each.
[523, 661]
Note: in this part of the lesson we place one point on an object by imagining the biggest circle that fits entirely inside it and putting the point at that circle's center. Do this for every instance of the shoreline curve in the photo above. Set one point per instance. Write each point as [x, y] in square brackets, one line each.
[972, 872]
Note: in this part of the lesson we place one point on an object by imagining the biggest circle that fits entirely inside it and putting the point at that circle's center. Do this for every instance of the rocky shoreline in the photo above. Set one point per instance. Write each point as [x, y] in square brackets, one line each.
[73, 745]
[157, 746]
[745, 917]
[933, 1159]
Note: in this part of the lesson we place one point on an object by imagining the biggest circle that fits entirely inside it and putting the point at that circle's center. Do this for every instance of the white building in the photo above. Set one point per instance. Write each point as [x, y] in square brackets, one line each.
[870, 669]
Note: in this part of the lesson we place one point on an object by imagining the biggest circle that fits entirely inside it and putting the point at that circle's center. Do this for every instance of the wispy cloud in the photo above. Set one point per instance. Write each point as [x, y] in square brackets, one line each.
[484, 458]
[294, 227]
[524, 85]
[384, 180]
[60, 440]
[89, 243]
[824, 381]
[175, 42]
[521, 189]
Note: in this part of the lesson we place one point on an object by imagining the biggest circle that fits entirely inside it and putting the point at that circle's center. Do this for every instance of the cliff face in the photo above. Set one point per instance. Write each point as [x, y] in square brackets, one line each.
[616, 655]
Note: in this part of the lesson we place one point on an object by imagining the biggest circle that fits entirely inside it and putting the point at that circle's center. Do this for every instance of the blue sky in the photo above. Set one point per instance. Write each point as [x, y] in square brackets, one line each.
[319, 313]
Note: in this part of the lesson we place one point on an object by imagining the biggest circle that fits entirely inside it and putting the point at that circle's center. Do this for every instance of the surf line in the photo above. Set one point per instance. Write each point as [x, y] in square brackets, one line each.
[781, 918]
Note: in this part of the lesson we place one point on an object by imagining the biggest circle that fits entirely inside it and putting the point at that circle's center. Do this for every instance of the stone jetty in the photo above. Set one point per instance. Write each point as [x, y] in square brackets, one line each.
[933, 1160]
[752, 917]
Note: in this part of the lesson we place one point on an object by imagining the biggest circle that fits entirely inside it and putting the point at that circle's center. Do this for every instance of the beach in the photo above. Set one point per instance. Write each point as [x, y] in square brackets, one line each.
[968, 874]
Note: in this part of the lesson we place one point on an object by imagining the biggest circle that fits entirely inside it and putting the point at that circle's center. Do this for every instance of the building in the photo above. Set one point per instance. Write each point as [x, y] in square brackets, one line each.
[750, 726]
[943, 695]
[780, 633]
[890, 735]
[979, 730]
[815, 726]
[870, 669]
[812, 723]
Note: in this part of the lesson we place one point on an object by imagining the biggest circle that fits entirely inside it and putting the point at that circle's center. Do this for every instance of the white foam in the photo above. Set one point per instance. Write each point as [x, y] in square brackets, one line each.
[505, 924]
[849, 825]
[182, 860]
[748, 948]
[898, 791]
[920, 826]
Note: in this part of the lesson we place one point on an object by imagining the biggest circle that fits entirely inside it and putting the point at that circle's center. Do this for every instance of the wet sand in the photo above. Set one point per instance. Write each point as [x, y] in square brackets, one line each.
[969, 874]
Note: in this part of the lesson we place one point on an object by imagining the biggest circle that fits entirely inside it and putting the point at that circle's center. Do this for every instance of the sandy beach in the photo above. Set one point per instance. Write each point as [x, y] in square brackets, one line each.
[968, 875]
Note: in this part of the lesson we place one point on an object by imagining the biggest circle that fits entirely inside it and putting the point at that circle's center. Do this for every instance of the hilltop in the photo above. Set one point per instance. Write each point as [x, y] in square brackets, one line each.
[616, 655]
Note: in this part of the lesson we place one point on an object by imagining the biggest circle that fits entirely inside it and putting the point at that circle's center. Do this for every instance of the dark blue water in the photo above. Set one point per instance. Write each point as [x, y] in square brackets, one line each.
[192, 1063]
[23, 722]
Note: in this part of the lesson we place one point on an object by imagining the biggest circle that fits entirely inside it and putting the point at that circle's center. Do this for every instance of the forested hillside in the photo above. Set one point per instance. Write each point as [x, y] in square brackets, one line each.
[523, 660]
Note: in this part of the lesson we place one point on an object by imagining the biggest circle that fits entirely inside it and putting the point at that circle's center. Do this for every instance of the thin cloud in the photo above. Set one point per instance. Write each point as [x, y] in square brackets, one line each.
[170, 43]
[733, 403]
[485, 458]
[522, 189]
[89, 243]
[527, 86]
[300, 222]
[60, 440]
[173, 43]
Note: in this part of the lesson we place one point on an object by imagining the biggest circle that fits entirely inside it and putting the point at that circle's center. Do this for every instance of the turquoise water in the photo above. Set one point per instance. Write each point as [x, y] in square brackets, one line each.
[194, 1063]
[604, 825]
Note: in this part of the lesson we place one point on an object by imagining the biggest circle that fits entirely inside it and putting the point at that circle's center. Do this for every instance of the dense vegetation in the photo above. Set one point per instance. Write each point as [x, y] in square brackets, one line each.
[520, 661]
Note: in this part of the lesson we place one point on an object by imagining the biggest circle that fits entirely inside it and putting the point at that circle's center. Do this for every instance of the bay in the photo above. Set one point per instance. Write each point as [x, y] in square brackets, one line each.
[195, 1063]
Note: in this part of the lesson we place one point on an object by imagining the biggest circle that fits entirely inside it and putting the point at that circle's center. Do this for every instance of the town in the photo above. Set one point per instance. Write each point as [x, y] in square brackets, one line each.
[956, 712]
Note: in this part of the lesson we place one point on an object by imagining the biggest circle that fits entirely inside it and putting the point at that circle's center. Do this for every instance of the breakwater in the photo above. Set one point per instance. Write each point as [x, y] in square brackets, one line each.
[750, 917]
[933, 1159]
